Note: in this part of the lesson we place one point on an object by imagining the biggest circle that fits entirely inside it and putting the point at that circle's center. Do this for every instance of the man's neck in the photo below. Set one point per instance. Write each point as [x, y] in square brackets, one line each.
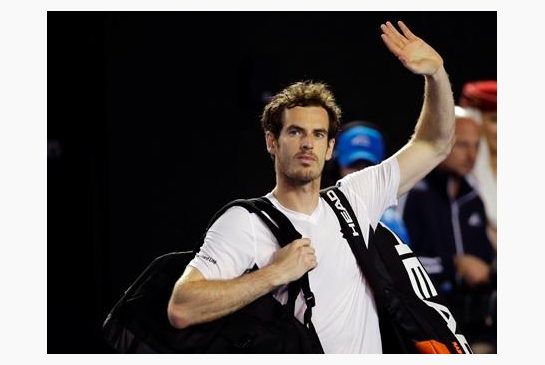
[300, 198]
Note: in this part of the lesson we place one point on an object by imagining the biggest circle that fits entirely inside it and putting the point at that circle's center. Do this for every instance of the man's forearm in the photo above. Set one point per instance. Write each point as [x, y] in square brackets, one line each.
[201, 301]
[436, 122]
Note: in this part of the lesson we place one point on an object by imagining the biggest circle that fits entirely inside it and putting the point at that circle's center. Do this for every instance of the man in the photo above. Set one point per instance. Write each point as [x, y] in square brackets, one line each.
[300, 123]
[360, 145]
[480, 97]
[446, 221]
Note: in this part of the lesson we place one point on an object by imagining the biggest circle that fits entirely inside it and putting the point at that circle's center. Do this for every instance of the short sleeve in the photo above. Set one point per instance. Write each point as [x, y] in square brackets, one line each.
[372, 190]
[229, 246]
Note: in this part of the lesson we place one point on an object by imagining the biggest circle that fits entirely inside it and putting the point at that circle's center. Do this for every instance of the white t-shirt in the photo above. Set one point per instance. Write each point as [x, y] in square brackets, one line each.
[345, 315]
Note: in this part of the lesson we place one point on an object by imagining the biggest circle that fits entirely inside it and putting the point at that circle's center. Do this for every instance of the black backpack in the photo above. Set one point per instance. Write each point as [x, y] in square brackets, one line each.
[138, 322]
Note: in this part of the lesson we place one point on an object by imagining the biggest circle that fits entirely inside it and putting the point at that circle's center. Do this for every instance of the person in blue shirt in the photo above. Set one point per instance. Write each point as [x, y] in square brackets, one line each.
[359, 145]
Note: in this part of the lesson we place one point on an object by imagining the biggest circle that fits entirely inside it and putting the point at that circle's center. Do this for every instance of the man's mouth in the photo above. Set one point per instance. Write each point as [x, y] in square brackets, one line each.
[306, 158]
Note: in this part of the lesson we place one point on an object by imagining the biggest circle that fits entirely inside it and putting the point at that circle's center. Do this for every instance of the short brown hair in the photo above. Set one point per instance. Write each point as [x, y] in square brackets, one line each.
[302, 93]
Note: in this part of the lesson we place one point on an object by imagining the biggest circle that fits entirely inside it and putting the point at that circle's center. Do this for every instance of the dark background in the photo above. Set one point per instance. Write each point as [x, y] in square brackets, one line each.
[153, 124]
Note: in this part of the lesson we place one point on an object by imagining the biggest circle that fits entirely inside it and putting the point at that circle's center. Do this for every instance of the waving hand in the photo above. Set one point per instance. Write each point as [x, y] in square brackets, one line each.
[413, 52]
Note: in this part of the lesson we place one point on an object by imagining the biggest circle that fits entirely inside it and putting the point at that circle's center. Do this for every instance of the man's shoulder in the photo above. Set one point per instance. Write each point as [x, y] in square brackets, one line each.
[236, 215]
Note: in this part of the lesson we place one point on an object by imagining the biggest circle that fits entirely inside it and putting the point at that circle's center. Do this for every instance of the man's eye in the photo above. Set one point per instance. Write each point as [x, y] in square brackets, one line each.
[293, 132]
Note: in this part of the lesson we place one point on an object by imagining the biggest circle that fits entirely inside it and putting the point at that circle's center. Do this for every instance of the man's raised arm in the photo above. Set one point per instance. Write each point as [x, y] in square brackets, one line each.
[434, 132]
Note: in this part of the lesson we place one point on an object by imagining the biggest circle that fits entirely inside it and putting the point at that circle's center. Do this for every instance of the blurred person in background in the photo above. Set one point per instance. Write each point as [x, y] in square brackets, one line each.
[446, 220]
[359, 145]
[480, 98]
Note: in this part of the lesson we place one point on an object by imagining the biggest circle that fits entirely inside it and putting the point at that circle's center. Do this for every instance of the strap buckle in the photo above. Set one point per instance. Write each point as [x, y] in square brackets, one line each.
[309, 299]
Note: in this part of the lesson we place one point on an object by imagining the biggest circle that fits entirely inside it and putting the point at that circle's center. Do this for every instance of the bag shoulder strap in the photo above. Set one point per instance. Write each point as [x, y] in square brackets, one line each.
[381, 264]
[284, 232]
[288, 233]
[366, 253]
[281, 227]
[350, 228]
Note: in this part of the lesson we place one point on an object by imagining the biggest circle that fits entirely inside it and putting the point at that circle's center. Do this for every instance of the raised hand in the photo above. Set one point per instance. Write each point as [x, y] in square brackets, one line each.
[413, 52]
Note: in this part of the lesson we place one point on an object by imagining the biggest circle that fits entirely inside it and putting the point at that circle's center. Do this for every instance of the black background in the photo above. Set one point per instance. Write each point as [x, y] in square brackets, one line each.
[153, 124]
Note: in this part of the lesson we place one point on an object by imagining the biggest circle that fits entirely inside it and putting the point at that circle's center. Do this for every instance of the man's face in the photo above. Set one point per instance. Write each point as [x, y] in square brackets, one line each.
[490, 129]
[302, 146]
[462, 157]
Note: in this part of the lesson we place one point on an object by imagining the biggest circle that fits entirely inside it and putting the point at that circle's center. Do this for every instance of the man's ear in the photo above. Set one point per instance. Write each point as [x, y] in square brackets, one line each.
[330, 148]
[271, 142]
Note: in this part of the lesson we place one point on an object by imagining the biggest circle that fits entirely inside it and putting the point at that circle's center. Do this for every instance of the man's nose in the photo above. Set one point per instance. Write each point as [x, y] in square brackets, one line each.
[307, 142]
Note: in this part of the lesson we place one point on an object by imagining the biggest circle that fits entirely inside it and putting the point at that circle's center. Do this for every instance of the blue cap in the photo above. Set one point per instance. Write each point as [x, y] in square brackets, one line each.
[359, 143]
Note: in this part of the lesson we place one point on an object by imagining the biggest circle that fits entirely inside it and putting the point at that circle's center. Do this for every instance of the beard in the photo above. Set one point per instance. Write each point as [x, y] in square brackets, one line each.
[298, 176]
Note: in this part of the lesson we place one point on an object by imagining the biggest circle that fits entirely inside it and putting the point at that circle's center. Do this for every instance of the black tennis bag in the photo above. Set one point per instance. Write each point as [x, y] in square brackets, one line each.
[138, 322]
[412, 316]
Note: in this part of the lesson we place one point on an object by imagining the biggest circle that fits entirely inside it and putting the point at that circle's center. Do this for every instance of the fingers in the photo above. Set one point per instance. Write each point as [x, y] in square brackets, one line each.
[394, 40]
[391, 40]
[294, 260]
[307, 252]
[302, 242]
[406, 31]
[393, 35]
[304, 246]
[390, 45]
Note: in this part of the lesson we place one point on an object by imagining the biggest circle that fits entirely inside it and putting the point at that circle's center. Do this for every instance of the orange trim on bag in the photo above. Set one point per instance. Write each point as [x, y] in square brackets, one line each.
[457, 347]
[431, 347]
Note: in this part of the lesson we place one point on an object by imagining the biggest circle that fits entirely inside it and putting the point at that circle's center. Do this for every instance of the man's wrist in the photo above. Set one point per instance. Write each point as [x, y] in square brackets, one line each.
[438, 75]
[272, 276]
